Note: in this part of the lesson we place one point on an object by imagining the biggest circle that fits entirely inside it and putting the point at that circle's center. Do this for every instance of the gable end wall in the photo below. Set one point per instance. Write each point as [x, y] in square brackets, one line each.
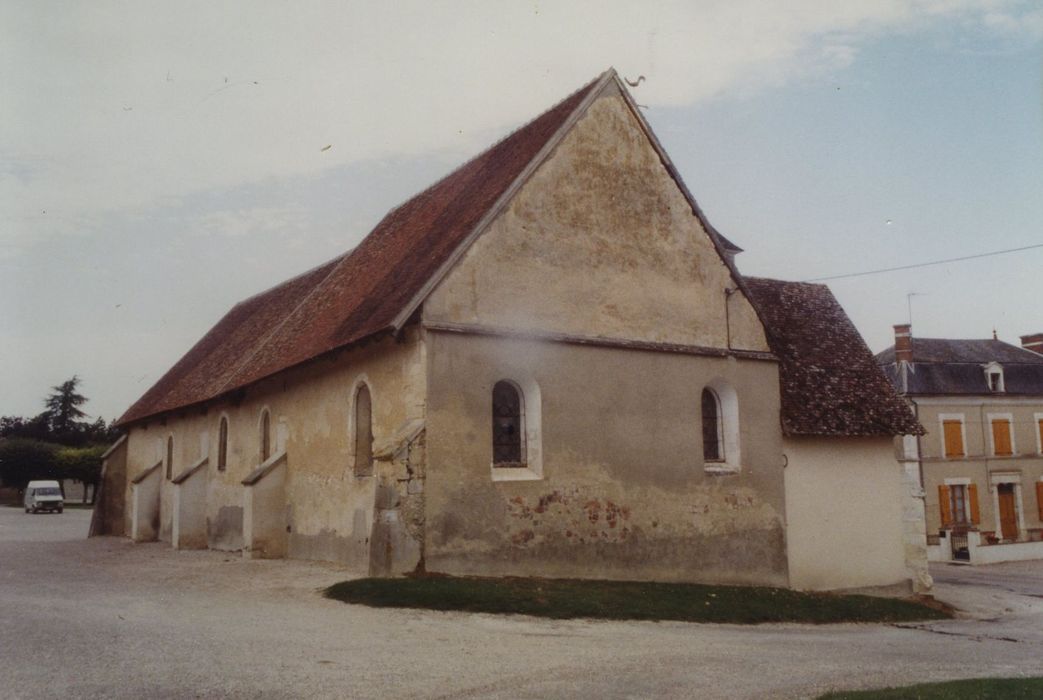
[599, 242]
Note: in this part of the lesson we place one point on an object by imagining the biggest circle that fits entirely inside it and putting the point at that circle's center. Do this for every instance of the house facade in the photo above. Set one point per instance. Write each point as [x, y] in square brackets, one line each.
[981, 459]
[544, 364]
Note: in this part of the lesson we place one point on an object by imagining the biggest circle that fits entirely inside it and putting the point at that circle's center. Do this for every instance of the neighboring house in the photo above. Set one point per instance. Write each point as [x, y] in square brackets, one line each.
[544, 364]
[981, 461]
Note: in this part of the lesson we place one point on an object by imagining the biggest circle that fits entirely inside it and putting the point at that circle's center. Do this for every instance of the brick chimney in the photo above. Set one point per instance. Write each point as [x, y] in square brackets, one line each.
[1033, 342]
[903, 343]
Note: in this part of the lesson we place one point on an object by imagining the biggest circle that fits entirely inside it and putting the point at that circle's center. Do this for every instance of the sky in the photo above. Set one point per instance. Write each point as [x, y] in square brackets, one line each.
[161, 161]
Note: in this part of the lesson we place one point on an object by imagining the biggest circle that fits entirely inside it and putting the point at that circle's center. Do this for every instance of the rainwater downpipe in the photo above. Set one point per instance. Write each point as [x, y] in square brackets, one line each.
[986, 430]
[919, 445]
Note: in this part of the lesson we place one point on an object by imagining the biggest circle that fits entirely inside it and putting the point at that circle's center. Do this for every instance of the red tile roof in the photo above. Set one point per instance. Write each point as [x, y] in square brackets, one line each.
[361, 293]
[830, 382]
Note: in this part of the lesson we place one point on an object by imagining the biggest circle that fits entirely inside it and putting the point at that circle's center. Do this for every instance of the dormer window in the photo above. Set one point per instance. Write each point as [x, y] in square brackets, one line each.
[994, 377]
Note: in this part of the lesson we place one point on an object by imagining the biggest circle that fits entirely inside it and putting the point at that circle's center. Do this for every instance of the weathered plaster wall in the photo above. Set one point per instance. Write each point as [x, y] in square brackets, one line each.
[109, 510]
[844, 505]
[624, 492]
[599, 242]
[329, 511]
[147, 445]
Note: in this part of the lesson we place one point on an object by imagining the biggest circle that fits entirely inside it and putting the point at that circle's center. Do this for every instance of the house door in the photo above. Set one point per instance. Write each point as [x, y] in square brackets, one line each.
[1008, 514]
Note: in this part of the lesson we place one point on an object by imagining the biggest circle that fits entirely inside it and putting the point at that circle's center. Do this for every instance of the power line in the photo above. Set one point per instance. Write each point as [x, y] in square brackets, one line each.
[925, 264]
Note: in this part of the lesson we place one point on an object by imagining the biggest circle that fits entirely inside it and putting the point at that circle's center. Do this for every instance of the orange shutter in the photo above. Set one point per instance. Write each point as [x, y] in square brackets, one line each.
[1001, 437]
[1039, 498]
[972, 496]
[943, 503]
[953, 430]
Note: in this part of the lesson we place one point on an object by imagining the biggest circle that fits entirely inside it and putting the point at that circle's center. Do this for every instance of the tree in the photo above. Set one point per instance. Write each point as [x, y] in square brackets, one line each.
[100, 433]
[23, 459]
[82, 464]
[63, 410]
[36, 428]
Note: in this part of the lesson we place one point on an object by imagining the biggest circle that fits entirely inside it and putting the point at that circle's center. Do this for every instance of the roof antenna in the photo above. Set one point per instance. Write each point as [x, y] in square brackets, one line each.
[909, 303]
[634, 83]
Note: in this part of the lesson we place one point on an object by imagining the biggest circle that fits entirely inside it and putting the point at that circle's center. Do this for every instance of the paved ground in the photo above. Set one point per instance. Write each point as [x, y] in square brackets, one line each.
[105, 618]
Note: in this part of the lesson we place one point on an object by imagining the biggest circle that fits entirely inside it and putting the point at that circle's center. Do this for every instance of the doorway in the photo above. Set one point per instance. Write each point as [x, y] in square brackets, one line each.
[1008, 512]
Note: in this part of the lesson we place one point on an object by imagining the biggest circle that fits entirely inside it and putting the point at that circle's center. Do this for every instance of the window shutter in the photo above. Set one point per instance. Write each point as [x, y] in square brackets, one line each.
[943, 504]
[953, 430]
[972, 496]
[1040, 426]
[1001, 437]
[1039, 498]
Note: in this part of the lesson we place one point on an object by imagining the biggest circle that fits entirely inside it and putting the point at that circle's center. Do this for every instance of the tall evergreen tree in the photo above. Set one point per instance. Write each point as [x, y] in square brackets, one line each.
[63, 408]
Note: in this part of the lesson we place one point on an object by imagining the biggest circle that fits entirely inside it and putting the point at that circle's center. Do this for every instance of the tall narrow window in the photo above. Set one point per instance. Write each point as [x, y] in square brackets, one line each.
[266, 436]
[170, 457]
[958, 504]
[222, 445]
[712, 429]
[363, 432]
[1001, 442]
[508, 426]
[953, 434]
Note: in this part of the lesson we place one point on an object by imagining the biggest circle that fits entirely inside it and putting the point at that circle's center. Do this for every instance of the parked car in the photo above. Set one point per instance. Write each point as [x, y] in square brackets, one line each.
[43, 495]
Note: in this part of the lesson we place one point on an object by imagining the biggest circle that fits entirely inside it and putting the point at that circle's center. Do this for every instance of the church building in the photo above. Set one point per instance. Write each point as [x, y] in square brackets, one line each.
[545, 364]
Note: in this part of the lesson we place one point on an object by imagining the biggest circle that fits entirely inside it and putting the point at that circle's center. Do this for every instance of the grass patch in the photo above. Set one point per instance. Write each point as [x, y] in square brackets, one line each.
[625, 600]
[973, 689]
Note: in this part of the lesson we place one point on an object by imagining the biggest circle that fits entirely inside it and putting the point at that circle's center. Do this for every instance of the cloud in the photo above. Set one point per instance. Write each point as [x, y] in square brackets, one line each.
[238, 223]
[113, 107]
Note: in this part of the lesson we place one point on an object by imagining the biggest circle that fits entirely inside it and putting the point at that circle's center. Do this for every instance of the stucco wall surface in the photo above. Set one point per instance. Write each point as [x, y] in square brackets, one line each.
[984, 473]
[599, 242]
[624, 493]
[976, 426]
[328, 509]
[147, 446]
[844, 505]
[979, 464]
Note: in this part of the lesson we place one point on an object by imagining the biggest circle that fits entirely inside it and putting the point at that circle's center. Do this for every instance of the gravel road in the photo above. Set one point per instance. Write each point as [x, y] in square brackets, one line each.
[105, 618]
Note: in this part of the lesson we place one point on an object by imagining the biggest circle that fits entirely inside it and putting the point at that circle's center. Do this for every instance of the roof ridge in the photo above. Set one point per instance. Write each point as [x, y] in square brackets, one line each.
[591, 89]
[375, 287]
[491, 146]
[343, 259]
[758, 278]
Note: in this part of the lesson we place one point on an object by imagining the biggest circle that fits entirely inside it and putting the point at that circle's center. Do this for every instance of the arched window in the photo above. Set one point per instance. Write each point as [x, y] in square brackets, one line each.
[363, 432]
[222, 445]
[713, 429]
[170, 457]
[508, 426]
[266, 436]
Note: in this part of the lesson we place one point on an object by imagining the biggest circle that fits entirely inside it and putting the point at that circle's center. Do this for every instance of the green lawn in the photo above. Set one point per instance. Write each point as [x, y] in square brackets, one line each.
[626, 600]
[974, 689]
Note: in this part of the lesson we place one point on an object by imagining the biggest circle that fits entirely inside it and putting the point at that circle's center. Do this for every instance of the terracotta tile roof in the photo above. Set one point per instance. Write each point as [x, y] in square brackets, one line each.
[830, 382]
[361, 293]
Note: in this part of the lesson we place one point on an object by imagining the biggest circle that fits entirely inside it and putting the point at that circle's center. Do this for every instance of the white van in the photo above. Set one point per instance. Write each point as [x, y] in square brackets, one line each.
[43, 495]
